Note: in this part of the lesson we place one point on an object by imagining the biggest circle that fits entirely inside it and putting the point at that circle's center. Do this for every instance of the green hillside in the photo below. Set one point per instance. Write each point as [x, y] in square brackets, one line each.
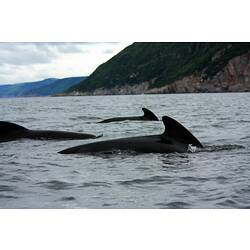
[47, 87]
[161, 63]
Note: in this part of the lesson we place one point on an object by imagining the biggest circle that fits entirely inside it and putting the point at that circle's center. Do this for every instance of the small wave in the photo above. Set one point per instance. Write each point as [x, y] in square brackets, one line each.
[174, 205]
[53, 165]
[84, 117]
[245, 137]
[225, 147]
[227, 203]
[153, 179]
[191, 149]
[112, 153]
[217, 125]
[107, 205]
[15, 179]
[243, 190]
[221, 179]
[6, 188]
[95, 184]
[244, 121]
[68, 198]
[75, 172]
[175, 160]
[28, 119]
[2, 175]
[56, 108]
[56, 185]
[244, 207]
[192, 191]
[2, 196]
[219, 195]
[195, 179]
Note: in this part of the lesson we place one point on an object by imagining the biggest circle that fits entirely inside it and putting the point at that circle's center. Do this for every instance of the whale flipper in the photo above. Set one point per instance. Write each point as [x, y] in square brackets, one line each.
[176, 130]
[7, 127]
[149, 115]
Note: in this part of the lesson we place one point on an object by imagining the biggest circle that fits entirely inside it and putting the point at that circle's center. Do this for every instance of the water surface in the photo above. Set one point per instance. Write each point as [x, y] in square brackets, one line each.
[34, 175]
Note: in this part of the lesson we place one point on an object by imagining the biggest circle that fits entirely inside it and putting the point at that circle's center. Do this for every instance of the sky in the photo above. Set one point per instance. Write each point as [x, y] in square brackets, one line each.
[27, 62]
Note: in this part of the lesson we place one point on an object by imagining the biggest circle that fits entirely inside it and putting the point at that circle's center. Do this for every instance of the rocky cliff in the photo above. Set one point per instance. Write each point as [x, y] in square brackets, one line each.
[198, 67]
[234, 77]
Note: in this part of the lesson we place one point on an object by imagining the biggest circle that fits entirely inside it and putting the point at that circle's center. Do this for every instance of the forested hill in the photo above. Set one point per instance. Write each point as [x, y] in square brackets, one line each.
[157, 65]
[47, 87]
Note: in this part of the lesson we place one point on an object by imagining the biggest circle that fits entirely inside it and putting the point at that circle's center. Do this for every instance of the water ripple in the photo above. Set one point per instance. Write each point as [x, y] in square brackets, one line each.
[152, 179]
[6, 188]
[32, 174]
[2, 196]
[56, 185]
[194, 179]
[68, 198]
[174, 205]
[94, 184]
[227, 203]
[224, 147]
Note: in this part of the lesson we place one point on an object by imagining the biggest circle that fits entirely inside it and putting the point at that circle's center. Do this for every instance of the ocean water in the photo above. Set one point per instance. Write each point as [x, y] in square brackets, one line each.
[34, 175]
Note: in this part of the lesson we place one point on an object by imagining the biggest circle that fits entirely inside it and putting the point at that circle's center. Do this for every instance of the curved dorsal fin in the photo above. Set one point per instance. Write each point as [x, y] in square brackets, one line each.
[149, 115]
[176, 130]
[6, 127]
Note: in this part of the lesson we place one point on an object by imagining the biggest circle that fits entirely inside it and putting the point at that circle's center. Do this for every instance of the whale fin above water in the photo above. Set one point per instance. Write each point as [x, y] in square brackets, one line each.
[11, 131]
[149, 115]
[175, 138]
[7, 127]
[176, 130]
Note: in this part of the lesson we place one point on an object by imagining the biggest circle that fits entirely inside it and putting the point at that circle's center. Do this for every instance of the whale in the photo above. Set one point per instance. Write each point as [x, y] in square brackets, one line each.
[175, 138]
[147, 116]
[11, 131]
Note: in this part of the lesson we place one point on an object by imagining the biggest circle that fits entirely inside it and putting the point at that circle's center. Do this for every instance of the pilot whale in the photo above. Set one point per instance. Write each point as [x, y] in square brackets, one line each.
[176, 138]
[11, 131]
[148, 116]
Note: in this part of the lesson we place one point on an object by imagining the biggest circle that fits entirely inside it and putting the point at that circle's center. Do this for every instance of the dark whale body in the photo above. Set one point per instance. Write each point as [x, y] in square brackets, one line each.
[11, 131]
[148, 116]
[175, 138]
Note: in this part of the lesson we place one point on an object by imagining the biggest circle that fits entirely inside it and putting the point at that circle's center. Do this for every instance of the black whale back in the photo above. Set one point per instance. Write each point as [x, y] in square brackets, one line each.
[179, 132]
[7, 127]
[149, 115]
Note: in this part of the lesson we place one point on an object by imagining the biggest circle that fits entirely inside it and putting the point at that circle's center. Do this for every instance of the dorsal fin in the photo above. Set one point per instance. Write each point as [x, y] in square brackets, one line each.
[176, 130]
[149, 115]
[6, 127]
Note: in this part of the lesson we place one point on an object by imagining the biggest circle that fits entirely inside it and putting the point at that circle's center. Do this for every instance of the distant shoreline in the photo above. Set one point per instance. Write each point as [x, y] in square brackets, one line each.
[72, 95]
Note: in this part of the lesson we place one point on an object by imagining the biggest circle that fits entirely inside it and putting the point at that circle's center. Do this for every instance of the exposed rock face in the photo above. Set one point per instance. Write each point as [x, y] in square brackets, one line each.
[235, 77]
[123, 90]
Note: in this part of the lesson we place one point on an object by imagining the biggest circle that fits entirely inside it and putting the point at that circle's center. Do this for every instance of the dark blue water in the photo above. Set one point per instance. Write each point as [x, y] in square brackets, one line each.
[34, 175]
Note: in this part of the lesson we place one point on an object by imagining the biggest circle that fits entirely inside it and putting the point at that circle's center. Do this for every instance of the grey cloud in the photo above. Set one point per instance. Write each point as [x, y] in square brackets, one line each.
[14, 73]
[65, 47]
[72, 48]
[36, 53]
[24, 54]
[22, 62]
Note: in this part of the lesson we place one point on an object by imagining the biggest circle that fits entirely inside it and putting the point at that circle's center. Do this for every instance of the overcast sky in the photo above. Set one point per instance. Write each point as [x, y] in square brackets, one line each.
[24, 62]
